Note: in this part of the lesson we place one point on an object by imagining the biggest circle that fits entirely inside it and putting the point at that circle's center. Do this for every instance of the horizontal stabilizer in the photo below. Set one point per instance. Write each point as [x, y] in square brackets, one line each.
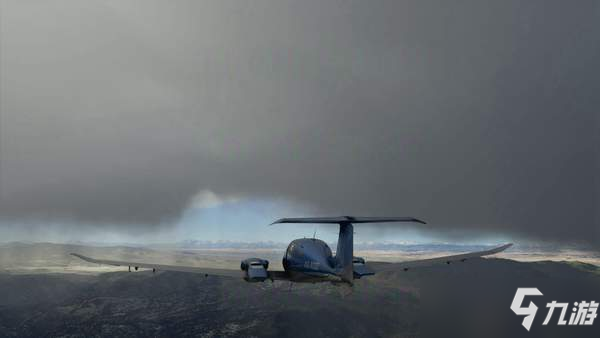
[347, 219]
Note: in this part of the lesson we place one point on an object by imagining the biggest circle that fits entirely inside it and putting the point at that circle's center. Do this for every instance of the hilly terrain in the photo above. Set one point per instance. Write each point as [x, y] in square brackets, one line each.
[470, 299]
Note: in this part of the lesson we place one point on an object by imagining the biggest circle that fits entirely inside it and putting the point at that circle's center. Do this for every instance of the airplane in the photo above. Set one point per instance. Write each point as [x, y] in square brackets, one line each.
[310, 260]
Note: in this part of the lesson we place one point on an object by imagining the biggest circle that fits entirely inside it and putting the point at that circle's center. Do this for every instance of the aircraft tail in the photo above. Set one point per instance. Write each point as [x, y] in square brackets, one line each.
[345, 252]
[345, 246]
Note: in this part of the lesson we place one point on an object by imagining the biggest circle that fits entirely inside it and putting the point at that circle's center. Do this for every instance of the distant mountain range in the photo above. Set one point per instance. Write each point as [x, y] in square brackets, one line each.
[434, 247]
[360, 246]
[383, 246]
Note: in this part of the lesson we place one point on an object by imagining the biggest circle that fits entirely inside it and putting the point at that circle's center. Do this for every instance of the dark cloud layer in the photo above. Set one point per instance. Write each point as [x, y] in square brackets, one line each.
[479, 115]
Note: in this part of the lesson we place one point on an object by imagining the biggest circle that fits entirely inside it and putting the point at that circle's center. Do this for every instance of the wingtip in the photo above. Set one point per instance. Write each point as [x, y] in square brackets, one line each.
[78, 256]
[504, 247]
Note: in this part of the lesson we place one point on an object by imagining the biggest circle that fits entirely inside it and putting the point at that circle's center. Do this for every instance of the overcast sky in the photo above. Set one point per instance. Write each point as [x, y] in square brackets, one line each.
[479, 117]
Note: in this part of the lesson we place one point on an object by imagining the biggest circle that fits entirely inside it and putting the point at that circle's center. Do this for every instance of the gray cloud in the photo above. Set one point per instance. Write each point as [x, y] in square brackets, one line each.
[477, 116]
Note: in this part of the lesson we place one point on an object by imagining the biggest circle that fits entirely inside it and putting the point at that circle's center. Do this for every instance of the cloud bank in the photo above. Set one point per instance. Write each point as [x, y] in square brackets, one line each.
[474, 116]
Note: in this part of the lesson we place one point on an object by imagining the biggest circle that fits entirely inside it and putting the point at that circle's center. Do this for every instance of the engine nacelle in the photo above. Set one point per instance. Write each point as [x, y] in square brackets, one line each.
[359, 268]
[255, 269]
[358, 260]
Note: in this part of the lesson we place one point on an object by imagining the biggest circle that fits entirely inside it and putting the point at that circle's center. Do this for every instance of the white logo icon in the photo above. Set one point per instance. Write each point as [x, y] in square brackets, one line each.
[583, 312]
[530, 311]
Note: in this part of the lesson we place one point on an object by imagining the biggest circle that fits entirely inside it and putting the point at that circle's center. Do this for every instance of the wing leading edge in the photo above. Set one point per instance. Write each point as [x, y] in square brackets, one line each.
[439, 260]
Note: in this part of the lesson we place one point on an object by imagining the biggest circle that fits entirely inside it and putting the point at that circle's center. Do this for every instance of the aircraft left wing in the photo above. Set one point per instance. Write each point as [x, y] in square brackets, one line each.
[438, 260]
[162, 267]
[272, 274]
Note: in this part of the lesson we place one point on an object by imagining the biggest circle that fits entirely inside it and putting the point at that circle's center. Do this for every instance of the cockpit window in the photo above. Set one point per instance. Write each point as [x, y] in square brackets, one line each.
[293, 251]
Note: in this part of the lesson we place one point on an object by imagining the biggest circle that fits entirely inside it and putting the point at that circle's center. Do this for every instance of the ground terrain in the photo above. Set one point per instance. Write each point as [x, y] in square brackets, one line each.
[468, 299]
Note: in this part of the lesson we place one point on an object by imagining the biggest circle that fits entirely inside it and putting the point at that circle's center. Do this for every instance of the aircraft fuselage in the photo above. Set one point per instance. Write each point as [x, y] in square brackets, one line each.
[310, 260]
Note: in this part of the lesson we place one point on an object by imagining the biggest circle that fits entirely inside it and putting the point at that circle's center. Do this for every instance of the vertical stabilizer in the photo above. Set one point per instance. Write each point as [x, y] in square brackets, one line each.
[345, 252]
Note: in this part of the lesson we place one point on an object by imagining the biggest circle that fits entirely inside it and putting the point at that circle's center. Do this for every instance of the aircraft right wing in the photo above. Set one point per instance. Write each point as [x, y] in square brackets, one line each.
[438, 260]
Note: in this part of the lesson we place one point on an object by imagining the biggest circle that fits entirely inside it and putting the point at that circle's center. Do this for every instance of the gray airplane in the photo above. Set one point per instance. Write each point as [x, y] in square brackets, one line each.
[310, 260]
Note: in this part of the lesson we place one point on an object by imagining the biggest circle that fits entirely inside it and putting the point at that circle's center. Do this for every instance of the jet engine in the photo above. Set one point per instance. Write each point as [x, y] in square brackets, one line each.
[255, 269]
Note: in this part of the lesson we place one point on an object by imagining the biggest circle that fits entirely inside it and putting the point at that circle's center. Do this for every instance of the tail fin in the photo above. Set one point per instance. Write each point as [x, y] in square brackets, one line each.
[345, 252]
[345, 246]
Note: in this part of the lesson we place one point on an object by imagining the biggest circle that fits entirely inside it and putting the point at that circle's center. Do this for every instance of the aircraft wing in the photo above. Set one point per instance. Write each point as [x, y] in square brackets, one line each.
[278, 275]
[273, 275]
[162, 267]
[439, 260]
